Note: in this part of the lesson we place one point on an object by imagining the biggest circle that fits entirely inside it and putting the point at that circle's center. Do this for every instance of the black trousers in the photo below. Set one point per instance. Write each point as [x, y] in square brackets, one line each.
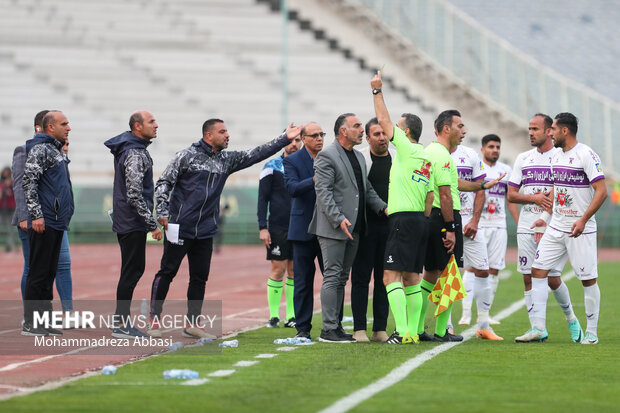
[44, 253]
[304, 254]
[133, 262]
[369, 258]
[198, 253]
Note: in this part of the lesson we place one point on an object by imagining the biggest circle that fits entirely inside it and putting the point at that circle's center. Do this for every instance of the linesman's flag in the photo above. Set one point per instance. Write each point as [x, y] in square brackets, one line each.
[449, 287]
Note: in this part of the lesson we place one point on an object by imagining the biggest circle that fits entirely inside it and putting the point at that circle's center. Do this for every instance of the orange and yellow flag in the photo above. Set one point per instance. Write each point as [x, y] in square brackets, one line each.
[449, 287]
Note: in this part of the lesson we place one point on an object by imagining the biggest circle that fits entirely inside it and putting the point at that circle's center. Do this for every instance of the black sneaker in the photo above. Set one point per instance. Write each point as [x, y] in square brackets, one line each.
[395, 338]
[290, 323]
[343, 333]
[303, 334]
[424, 336]
[448, 337]
[53, 332]
[29, 330]
[274, 322]
[333, 336]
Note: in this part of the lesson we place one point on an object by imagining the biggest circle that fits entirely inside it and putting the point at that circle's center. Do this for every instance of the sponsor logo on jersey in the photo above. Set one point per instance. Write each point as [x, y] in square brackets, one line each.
[423, 174]
[492, 207]
[446, 166]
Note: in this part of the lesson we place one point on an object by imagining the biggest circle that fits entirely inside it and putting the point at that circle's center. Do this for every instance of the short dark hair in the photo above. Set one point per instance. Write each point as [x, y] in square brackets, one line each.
[371, 122]
[547, 119]
[490, 138]
[445, 118]
[340, 121]
[206, 127]
[568, 120]
[414, 123]
[38, 119]
[135, 117]
[48, 119]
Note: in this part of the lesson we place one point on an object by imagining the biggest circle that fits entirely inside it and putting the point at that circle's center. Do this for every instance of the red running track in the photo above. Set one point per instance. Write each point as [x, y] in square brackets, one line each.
[238, 278]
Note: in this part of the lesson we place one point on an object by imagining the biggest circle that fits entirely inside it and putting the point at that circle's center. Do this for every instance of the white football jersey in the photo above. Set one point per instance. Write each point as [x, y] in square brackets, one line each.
[574, 171]
[532, 173]
[494, 211]
[470, 168]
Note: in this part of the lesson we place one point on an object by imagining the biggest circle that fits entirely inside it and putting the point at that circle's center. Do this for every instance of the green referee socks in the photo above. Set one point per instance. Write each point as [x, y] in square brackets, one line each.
[398, 305]
[442, 322]
[414, 307]
[426, 288]
[274, 294]
[289, 289]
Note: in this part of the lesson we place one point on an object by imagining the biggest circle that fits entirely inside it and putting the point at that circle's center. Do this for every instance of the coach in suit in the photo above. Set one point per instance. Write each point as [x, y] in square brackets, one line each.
[299, 181]
[342, 193]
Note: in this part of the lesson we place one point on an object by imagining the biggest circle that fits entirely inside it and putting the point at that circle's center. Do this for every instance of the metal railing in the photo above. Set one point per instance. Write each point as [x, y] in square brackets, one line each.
[492, 67]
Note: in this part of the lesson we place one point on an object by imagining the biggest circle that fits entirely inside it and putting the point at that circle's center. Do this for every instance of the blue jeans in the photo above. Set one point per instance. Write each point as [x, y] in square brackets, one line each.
[63, 274]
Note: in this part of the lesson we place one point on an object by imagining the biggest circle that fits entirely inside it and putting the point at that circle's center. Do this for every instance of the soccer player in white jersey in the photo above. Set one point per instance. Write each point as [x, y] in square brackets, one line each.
[578, 192]
[470, 168]
[530, 184]
[492, 225]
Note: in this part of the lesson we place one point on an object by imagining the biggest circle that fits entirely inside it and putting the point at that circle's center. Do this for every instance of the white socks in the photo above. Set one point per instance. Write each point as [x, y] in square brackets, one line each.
[493, 281]
[540, 294]
[562, 296]
[468, 282]
[592, 301]
[482, 294]
[528, 304]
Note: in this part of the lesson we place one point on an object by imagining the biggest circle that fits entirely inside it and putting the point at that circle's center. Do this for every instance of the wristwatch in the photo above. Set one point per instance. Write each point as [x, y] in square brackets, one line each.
[376, 91]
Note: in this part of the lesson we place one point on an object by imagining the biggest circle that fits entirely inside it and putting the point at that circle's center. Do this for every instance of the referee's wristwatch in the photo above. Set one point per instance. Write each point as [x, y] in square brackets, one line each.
[376, 91]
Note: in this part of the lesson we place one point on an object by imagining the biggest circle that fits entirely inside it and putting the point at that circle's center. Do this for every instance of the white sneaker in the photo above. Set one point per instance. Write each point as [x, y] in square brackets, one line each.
[590, 338]
[533, 335]
[466, 318]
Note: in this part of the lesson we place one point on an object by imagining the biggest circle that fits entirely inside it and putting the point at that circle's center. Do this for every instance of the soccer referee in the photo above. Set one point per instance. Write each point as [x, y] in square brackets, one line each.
[410, 195]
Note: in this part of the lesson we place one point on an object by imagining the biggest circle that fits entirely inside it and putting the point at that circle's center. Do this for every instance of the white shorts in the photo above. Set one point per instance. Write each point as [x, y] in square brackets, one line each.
[527, 252]
[475, 252]
[555, 246]
[497, 239]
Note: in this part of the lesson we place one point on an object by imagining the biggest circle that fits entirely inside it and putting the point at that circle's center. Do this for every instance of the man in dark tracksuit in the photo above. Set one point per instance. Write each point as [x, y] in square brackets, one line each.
[188, 194]
[49, 197]
[133, 211]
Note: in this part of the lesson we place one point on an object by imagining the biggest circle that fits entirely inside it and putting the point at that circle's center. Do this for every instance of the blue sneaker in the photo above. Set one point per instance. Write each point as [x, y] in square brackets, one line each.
[576, 333]
[128, 332]
[533, 335]
[590, 338]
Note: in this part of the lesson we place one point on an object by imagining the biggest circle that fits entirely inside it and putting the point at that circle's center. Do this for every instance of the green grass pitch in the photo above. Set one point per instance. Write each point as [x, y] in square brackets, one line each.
[475, 376]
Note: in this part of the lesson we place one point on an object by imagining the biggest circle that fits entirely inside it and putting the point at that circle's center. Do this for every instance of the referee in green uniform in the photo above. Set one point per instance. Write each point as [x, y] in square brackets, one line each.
[410, 195]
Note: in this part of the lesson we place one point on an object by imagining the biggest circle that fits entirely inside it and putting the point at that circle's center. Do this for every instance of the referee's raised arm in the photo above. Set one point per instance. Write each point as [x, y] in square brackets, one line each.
[383, 117]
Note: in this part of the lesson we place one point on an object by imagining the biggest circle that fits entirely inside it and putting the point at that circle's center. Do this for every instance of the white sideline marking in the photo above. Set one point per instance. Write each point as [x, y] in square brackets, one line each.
[399, 373]
[194, 382]
[245, 363]
[221, 373]
[266, 356]
[286, 348]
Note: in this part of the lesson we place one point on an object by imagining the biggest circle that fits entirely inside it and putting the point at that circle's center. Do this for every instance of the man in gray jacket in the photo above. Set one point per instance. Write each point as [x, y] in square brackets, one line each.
[342, 193]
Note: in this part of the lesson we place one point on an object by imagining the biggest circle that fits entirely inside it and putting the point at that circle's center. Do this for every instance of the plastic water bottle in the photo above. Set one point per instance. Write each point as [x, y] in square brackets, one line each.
[180, 374]
[280, 341]
[229, 343]
[204, 340]
[144, 307]
[108, 370]
[175, 346]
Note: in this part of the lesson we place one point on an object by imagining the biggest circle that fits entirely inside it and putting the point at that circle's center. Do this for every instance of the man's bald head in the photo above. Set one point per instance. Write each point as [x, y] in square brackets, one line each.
[143, 124]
